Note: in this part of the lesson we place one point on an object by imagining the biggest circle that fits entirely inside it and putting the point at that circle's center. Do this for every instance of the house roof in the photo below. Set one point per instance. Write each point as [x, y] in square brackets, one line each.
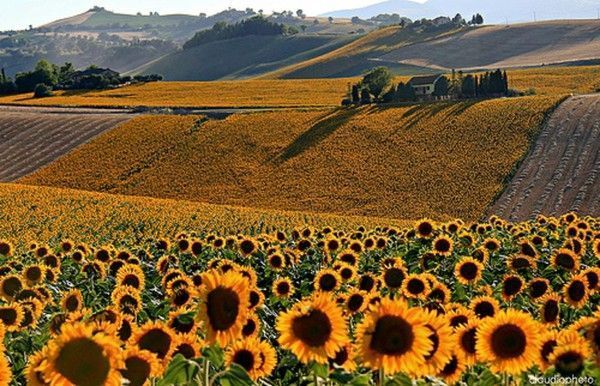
[96, 71]
[423, 80]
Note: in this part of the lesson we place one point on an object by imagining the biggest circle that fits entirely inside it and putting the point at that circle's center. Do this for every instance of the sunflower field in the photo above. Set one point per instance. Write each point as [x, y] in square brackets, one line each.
[434, 303]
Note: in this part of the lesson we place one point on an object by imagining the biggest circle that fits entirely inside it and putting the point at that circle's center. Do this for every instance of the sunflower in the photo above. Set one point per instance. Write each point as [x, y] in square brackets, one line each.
[72, 301]
[548, 342]
[131, 275]
[439, 293]
[538, 287]
[283, 288]
[33, 375]
[252, 326]
[443, 344]
[443, 245]
[367, 282]
[575, 292]
[140, 366]
[511, 286]
[313, 329]
[570, 354]
[468, 271]
[453, 370]
[394, 337]
[550, 310]
[458, 315]
[247, 246]
[327, 280]
[155, 337]
[77, 357]
[424, 228]
[593, 277]
[256, 298]
[348, 256]
[356, 301]
[94, 269]
[344, 359]
[182, 296]
[6, 248]
[521, 263]
[189, 346]
[485, 306]
[565, 259]
[596, 247]
[246, 354]
[415, 287]
[276, 261]
[182, 321]
[466, 341]
[10, 286]
[347, 272]
[11, 316]
[5, 372]
[394, 275]
[224, 304]
[481, 254]
[509, 342]
[127, 300]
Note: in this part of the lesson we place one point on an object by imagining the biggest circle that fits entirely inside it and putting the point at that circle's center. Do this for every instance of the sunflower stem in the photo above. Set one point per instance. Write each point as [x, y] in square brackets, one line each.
[206, 371]
[380, 377]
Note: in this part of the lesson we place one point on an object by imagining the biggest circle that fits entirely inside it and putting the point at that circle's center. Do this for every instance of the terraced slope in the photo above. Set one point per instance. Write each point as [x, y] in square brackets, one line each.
[562, 172]
[31, 139]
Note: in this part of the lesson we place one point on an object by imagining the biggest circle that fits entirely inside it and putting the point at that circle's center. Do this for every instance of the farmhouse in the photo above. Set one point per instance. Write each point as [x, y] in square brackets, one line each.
[424, 86]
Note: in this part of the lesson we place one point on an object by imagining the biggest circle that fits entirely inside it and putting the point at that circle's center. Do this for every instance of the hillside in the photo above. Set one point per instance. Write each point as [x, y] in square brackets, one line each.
[492, 10]
[357, 57]
[31, 140]
[45, 214]
[243, 57]
[562, 171]
[519, 45]
[442, 160]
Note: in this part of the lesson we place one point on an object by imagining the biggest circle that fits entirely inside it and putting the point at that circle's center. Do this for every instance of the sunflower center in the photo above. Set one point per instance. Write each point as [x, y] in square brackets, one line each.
[11, 286]
[355, 302]
[468, 341]
[313, 329]
[8, 316]
[132, 280]
[136, 371]
[565, 261]
[576, 291]
[72, 303]
[186, 350]
[182, 325]
[34, 273]
[435, 340]
[425, 229]
[82, 362]
[508, 341]
[247, 247]
[341, 357]
[249, 328]
[484, 309]
[450, 367]
[468, 271]
[550, 311]
[244, 358]
[393, 277]
[569, 363]
[393, 335]
[223, 308]
[327, 282]
[156, 341]
[538, 289]
[512, 286]
[437, 294]
[283, 288]
[181, 297]
[366, 283]
[457, 320]
[548, 348]
[442, 245]
[415, 286]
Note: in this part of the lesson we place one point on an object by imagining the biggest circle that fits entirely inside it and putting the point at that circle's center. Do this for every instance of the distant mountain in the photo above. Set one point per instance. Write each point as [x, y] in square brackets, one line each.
[493, 11]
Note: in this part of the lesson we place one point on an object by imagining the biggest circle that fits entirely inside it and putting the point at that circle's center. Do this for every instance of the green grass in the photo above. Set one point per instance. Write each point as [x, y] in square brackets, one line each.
[103, 18]
[244, 57]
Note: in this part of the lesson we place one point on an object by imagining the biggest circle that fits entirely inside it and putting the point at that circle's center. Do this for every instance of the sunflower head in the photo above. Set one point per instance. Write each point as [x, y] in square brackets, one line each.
[468, 271]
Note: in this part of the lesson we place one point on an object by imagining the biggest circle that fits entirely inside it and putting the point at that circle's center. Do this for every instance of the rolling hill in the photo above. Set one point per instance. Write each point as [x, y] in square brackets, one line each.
[243, 57]
[493, 11]
[406, 51]
[439, 160]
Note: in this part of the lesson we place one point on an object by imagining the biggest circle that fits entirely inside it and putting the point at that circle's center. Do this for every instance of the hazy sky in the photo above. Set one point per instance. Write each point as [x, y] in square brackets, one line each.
[18, 14]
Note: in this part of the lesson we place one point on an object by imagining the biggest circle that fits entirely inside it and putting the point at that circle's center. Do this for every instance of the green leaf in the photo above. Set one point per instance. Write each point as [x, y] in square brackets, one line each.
[215, 355]
[180, 372]
[235, 376]
[361, 380]
[322, 371]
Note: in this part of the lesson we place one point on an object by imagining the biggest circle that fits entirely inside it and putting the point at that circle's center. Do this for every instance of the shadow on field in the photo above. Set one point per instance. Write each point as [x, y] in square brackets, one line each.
[323, 128]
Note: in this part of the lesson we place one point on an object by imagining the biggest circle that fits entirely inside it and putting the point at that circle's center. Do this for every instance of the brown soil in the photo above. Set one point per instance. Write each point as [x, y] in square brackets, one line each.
[562, 171]
[32, 138]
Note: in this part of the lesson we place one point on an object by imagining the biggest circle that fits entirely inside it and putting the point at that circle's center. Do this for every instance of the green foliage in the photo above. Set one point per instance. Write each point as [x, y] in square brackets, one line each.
[256, 25]
[442, 87]
[44, 73]
[42, 91]
[377, 81]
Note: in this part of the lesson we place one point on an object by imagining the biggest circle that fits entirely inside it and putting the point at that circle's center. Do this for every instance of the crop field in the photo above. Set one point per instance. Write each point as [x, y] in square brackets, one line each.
[290, 93]
[437, 160]
[46, 214]
[487, 304]
[31, 140]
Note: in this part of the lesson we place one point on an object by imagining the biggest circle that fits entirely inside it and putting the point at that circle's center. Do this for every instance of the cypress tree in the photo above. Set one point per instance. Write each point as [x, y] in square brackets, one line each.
[355, 94]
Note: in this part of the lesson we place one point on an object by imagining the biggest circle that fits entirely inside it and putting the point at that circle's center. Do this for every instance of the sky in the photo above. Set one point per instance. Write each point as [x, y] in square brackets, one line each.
[19, 14]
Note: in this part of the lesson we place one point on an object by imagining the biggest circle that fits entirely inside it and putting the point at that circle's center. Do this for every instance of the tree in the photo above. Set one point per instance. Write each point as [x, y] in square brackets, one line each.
[469, 86]
[41, 91]
[44, 72]
[355, 94]
[458, 19]
[303, 27]
[330, 19]
[405, 93]
[441, 87]
[356, 20]
[65, 72]
[365, 97]
[478, 19]
[301, 14]
[377, 81]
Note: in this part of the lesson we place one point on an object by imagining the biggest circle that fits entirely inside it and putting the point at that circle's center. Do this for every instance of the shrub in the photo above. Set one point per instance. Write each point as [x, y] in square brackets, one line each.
[41, 91]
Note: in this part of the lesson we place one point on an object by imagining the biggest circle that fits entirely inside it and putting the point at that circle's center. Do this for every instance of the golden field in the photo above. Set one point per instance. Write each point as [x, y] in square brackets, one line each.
[286, 93]
[47, 214]
[441, 160]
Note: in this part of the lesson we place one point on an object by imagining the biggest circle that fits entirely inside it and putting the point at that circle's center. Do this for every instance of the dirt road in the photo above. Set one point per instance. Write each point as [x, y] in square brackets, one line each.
[562, 171]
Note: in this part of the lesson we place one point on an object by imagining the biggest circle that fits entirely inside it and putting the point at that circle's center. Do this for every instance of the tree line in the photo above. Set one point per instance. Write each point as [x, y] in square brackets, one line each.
[377, 86]
[257, 25]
